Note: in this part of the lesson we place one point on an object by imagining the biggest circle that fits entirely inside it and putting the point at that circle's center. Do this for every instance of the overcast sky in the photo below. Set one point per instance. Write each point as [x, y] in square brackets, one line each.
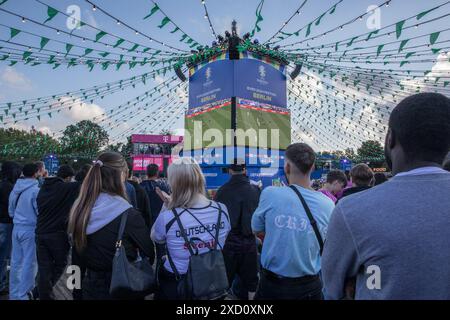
[24, 82]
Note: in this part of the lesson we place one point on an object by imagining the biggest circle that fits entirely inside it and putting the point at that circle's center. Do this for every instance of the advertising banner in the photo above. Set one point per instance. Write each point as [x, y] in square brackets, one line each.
[259, 81]
[212, 83]
[141, 162]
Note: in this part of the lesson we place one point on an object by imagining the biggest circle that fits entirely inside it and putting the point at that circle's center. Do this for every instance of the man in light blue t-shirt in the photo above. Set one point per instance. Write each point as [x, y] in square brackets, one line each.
[290, 257]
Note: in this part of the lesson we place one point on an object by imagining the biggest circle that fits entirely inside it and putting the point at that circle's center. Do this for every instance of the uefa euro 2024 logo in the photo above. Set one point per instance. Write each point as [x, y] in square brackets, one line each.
[262, 72]
[262, 75]
[208, 74]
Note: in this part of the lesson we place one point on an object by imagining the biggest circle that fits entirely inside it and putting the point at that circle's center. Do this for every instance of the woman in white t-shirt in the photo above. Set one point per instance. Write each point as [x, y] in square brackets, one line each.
[199, 217]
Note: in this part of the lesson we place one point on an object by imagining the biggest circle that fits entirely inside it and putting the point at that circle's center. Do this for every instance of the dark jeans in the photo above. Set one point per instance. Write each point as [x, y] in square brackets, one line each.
[273, 288]
[52, 253]
[5, 252]
[167, 285]
[160, 252]
[244, 265]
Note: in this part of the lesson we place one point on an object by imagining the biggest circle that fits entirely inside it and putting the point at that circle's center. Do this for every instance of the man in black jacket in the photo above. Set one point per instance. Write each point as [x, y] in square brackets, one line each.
[10, 173]
[241, 199]
[142, 200]
[54, 202]
[150, 185]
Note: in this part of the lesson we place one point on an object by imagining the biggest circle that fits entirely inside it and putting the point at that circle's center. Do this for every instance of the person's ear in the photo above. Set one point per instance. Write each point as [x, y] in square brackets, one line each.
[391, 139]
[312, 169]
[287, 168]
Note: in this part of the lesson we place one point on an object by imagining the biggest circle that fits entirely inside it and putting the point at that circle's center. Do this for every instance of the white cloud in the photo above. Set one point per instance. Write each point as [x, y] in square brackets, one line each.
[81, 110]
[45, 130]
[16, 80]
[27, 127]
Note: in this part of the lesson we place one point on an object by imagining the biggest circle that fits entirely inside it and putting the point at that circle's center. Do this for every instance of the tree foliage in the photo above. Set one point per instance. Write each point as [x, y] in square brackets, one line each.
[84, 137]
[25, 146]
[371, 149]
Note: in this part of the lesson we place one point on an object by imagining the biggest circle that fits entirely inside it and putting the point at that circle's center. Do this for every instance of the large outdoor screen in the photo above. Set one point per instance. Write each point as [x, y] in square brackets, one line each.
[199, 122]
[265, 126]
[261, 114]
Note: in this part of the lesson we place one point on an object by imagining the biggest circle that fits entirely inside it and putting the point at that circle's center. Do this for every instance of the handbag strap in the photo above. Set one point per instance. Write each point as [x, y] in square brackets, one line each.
[186, 240]
[216, 237]
[123, 222]
[312, 221]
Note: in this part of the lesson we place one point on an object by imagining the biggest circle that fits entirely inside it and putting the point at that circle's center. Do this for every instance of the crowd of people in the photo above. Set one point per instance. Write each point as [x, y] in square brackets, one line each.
[360, 235]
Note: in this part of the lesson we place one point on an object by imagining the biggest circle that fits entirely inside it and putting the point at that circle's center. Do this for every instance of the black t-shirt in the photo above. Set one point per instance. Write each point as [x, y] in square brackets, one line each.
[155, 201]
[54, 201]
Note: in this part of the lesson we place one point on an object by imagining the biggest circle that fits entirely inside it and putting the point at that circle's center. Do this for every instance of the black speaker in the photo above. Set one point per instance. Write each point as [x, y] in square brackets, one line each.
[296, 72]
[180, 74]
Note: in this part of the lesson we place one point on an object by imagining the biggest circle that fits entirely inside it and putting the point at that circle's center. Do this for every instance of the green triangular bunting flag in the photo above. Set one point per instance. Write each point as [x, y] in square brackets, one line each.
[51, 13]
[399, 28]
[44, 42]
[433, 37]
[154, 9]
[14, 32]
[164, 21]
[100, 35]
[402, 45]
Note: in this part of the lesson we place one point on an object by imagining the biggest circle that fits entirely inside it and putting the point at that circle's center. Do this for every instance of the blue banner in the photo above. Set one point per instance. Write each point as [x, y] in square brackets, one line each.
[212, 83]
[259, 81]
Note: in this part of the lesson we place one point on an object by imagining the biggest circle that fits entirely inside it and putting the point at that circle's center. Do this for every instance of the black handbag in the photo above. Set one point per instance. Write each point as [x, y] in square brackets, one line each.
[130, 280]
[206, 278]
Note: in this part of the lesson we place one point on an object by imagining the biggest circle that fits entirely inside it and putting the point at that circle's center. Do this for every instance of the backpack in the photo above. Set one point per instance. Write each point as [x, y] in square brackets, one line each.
[206, 277]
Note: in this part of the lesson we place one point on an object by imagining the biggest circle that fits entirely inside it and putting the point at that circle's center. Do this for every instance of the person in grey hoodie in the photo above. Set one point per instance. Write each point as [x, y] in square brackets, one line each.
[23, 211]
[392, 241]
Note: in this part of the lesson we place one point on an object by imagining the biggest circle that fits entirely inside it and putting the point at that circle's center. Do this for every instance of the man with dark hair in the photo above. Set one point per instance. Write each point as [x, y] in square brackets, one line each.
[241, 199]
[23, 210]
[379, 178]
[335, 183]
[150, 186]
[82, 173]
[10, 172]
[142, 201]
[293, 221]
[54, 202]
[394, 239]
[362, 177]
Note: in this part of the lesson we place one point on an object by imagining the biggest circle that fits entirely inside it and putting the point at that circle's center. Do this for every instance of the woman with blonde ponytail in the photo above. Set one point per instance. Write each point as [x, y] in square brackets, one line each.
[94, 225]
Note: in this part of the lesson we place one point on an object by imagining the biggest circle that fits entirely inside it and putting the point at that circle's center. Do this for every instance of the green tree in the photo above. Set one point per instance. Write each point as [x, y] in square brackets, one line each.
[371, 152]
[371, 149]
[126, 149]
[84, 138]
[26, 146]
